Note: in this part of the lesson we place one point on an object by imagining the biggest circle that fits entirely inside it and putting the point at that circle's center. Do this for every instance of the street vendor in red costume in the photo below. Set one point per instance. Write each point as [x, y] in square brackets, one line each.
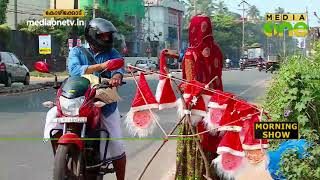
[202, 62]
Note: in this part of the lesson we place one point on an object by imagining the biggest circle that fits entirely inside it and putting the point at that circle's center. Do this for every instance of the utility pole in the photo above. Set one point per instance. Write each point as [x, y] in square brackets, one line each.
[284, 43]
[268, 50]
[243, 3]
[195, 7]
[15, 14]
[55, 4]
[75, 27]
[94, 9]
[149, 30]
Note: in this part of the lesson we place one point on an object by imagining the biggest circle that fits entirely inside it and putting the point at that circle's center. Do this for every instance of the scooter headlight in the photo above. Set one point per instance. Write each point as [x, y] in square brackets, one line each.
[71, 107]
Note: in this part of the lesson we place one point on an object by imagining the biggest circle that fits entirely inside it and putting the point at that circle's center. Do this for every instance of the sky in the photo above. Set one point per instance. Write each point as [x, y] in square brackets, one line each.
[292, 6]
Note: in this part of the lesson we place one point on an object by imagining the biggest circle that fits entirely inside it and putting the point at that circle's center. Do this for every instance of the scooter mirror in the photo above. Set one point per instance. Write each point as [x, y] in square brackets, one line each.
[115, 64]
[48, 104]
[41, 66]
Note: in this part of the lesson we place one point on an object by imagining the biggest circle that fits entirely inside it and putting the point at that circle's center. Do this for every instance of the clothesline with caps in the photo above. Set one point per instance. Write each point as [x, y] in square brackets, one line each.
[145, 100]
[189, 83]
[203, 132]
[212, 129]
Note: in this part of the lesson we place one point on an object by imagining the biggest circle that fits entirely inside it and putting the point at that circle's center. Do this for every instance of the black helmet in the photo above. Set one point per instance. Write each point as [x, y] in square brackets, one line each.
[99, 34]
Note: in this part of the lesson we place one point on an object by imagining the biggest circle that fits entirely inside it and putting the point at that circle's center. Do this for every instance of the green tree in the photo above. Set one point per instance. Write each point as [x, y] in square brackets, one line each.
[121, 26]
[3, 10]
[279, 10]
[220, 8]
[254, 13]
[5, 37]
[194, 7]
[227, 33]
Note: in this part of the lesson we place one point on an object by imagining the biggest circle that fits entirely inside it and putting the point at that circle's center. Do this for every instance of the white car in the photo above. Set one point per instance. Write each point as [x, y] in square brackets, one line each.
[146, 64]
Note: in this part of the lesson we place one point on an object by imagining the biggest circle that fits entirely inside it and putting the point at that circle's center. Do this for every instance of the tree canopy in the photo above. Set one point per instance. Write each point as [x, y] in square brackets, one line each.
[3, 10]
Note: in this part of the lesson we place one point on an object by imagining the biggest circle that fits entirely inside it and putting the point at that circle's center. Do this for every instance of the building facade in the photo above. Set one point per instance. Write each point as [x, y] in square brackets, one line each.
[163, 24]
[24, 10]
[130, 11]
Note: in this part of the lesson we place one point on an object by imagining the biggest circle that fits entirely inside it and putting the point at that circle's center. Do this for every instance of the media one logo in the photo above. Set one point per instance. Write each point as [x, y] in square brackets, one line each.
[278, 23]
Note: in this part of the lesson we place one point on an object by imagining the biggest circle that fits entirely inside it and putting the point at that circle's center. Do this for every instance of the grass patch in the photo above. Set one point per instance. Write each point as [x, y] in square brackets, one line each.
[39, 74]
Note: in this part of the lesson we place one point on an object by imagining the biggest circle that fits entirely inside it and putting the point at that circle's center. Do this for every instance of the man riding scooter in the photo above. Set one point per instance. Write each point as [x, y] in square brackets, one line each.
[228, 63]
[94, 60]
[260, 63]
[99, 34]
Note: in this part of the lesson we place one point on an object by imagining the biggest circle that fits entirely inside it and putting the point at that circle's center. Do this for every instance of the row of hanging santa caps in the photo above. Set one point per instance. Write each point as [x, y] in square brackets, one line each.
[220, 111]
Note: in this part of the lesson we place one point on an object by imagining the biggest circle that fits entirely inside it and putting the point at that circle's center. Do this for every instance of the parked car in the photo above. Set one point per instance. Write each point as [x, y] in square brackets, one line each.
[12, 70]
[146, 64]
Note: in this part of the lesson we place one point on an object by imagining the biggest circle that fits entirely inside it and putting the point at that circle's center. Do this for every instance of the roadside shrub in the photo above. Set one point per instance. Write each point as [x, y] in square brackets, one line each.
[5, 36]
[294, 95]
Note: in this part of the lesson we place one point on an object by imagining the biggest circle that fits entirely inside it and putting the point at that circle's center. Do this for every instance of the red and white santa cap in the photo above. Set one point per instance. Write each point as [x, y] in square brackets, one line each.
[231, 157]
[192, 95]
[250, 142]
[140, 118]
[230, 120]
[216, 109]
[165, 95]
[231, 143]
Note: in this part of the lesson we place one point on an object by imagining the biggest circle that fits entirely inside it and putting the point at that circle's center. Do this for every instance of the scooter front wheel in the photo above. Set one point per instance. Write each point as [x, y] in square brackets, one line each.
[68, 163]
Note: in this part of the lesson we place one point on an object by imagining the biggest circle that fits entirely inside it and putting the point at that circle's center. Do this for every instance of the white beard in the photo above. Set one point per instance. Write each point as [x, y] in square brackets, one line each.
[244, 167]
[138, 131]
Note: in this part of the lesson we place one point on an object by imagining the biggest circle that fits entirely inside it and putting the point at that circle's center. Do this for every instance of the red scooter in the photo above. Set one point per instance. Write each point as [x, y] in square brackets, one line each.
[75, 158]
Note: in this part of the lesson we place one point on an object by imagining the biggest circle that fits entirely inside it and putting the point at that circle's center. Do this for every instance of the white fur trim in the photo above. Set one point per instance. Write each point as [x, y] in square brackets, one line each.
[230, 128]
[206, 99]
[209, 125]
[216, 105]
[136, 131]
[167, 105]
[160, 89]
[144, 107]
[224, 149]
[199, 112]
[186, 96]
[187, 112]
[195, 119]
[255, 147]
[180, 108]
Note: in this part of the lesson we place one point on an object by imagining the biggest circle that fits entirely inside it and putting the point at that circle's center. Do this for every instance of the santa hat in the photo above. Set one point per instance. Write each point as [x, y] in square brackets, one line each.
[216, 108]
[141, 119]
[229, 123]
[249, 142]
[165, 94]
[231, 143]
[192, 96]
[231, 155]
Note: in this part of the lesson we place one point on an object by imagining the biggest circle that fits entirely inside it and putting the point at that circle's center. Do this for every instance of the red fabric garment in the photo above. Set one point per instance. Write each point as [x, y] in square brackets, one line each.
[206, 54]
[206, 59]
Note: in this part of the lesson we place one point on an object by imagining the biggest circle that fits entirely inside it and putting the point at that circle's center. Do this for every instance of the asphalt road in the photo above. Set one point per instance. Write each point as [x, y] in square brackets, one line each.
[23, 116]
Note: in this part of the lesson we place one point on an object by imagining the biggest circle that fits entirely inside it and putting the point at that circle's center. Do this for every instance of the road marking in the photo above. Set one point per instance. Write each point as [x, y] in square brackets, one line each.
[251, 87]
